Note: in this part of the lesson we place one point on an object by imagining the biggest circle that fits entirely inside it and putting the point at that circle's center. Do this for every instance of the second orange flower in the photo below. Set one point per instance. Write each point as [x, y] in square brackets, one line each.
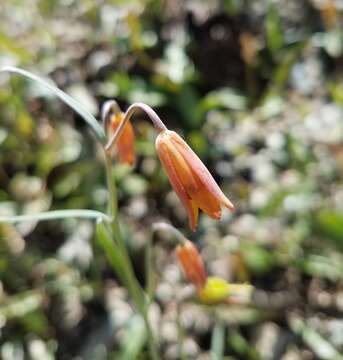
[124, 147]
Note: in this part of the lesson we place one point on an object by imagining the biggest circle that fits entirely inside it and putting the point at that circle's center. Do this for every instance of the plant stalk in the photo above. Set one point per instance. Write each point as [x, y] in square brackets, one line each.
[135, 290]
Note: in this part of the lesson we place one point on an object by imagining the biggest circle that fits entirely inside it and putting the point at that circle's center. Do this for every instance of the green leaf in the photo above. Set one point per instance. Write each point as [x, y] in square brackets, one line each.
[106, 241]
[74, 104]
[57, 214]
[119, 262]
[134, 339]
[232, 7]
[186, 102]
[320, 346]
[258, 259]
[240, 345]
[323, 267]
[218, 341]
[274, 30]
[238, 315]
[280, 75]
[336, 90]
[226, 98]
[330, 224]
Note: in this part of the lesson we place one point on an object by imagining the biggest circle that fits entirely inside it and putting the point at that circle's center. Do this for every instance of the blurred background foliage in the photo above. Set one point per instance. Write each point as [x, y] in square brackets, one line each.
[256, 88]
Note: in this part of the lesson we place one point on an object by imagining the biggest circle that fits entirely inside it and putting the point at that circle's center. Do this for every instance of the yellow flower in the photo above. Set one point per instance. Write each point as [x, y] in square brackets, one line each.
[217, 290]
[190, 178]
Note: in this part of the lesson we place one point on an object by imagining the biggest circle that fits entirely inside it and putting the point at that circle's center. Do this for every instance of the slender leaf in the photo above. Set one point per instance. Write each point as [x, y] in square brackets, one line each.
[274, 30]
[323, 266]
[134, 339]
[320, 346]
[106, 242]
[57, 214]
[242, 346]
[329, 223]
[218, 341]
[74, 104]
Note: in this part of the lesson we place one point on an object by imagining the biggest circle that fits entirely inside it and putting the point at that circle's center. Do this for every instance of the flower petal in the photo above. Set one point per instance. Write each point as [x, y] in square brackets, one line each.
[124, 146]
[192, 263]
[200, 170]
[206, 201]
[168, 165]
[181, 166]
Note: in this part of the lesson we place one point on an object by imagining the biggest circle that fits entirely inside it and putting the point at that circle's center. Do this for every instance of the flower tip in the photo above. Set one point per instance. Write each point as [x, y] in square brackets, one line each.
[217, 214]
[228, 204]
[193, 227]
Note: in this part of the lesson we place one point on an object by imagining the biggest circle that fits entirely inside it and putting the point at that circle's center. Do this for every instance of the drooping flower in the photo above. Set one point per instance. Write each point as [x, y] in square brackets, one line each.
[190, 178]
[191, 264]
[124, 146]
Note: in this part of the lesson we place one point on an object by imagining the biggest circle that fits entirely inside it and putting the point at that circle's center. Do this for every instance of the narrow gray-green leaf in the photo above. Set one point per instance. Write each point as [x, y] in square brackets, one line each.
[105, 240]
[134, 339]
[74, 104]
[314, 340]
[218, 341]
[57, 214]
[119, 263]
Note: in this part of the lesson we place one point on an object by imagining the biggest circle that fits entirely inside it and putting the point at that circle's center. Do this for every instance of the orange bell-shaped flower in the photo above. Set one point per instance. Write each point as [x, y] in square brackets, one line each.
[191, 264]
[190, 178]
[124, 146]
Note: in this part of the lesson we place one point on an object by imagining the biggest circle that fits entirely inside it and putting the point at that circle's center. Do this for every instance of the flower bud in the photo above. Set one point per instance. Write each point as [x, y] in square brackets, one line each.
[191, 264]
[124, 146]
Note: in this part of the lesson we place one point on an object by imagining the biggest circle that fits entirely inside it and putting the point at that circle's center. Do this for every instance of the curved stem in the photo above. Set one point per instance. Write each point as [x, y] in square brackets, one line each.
[109, 108]
[127, 116]
[171, 229]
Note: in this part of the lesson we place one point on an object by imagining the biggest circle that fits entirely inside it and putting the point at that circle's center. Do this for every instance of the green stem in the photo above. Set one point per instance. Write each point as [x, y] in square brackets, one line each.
[149, 268]
[218, 339]
[113, 200]
[131, 283]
